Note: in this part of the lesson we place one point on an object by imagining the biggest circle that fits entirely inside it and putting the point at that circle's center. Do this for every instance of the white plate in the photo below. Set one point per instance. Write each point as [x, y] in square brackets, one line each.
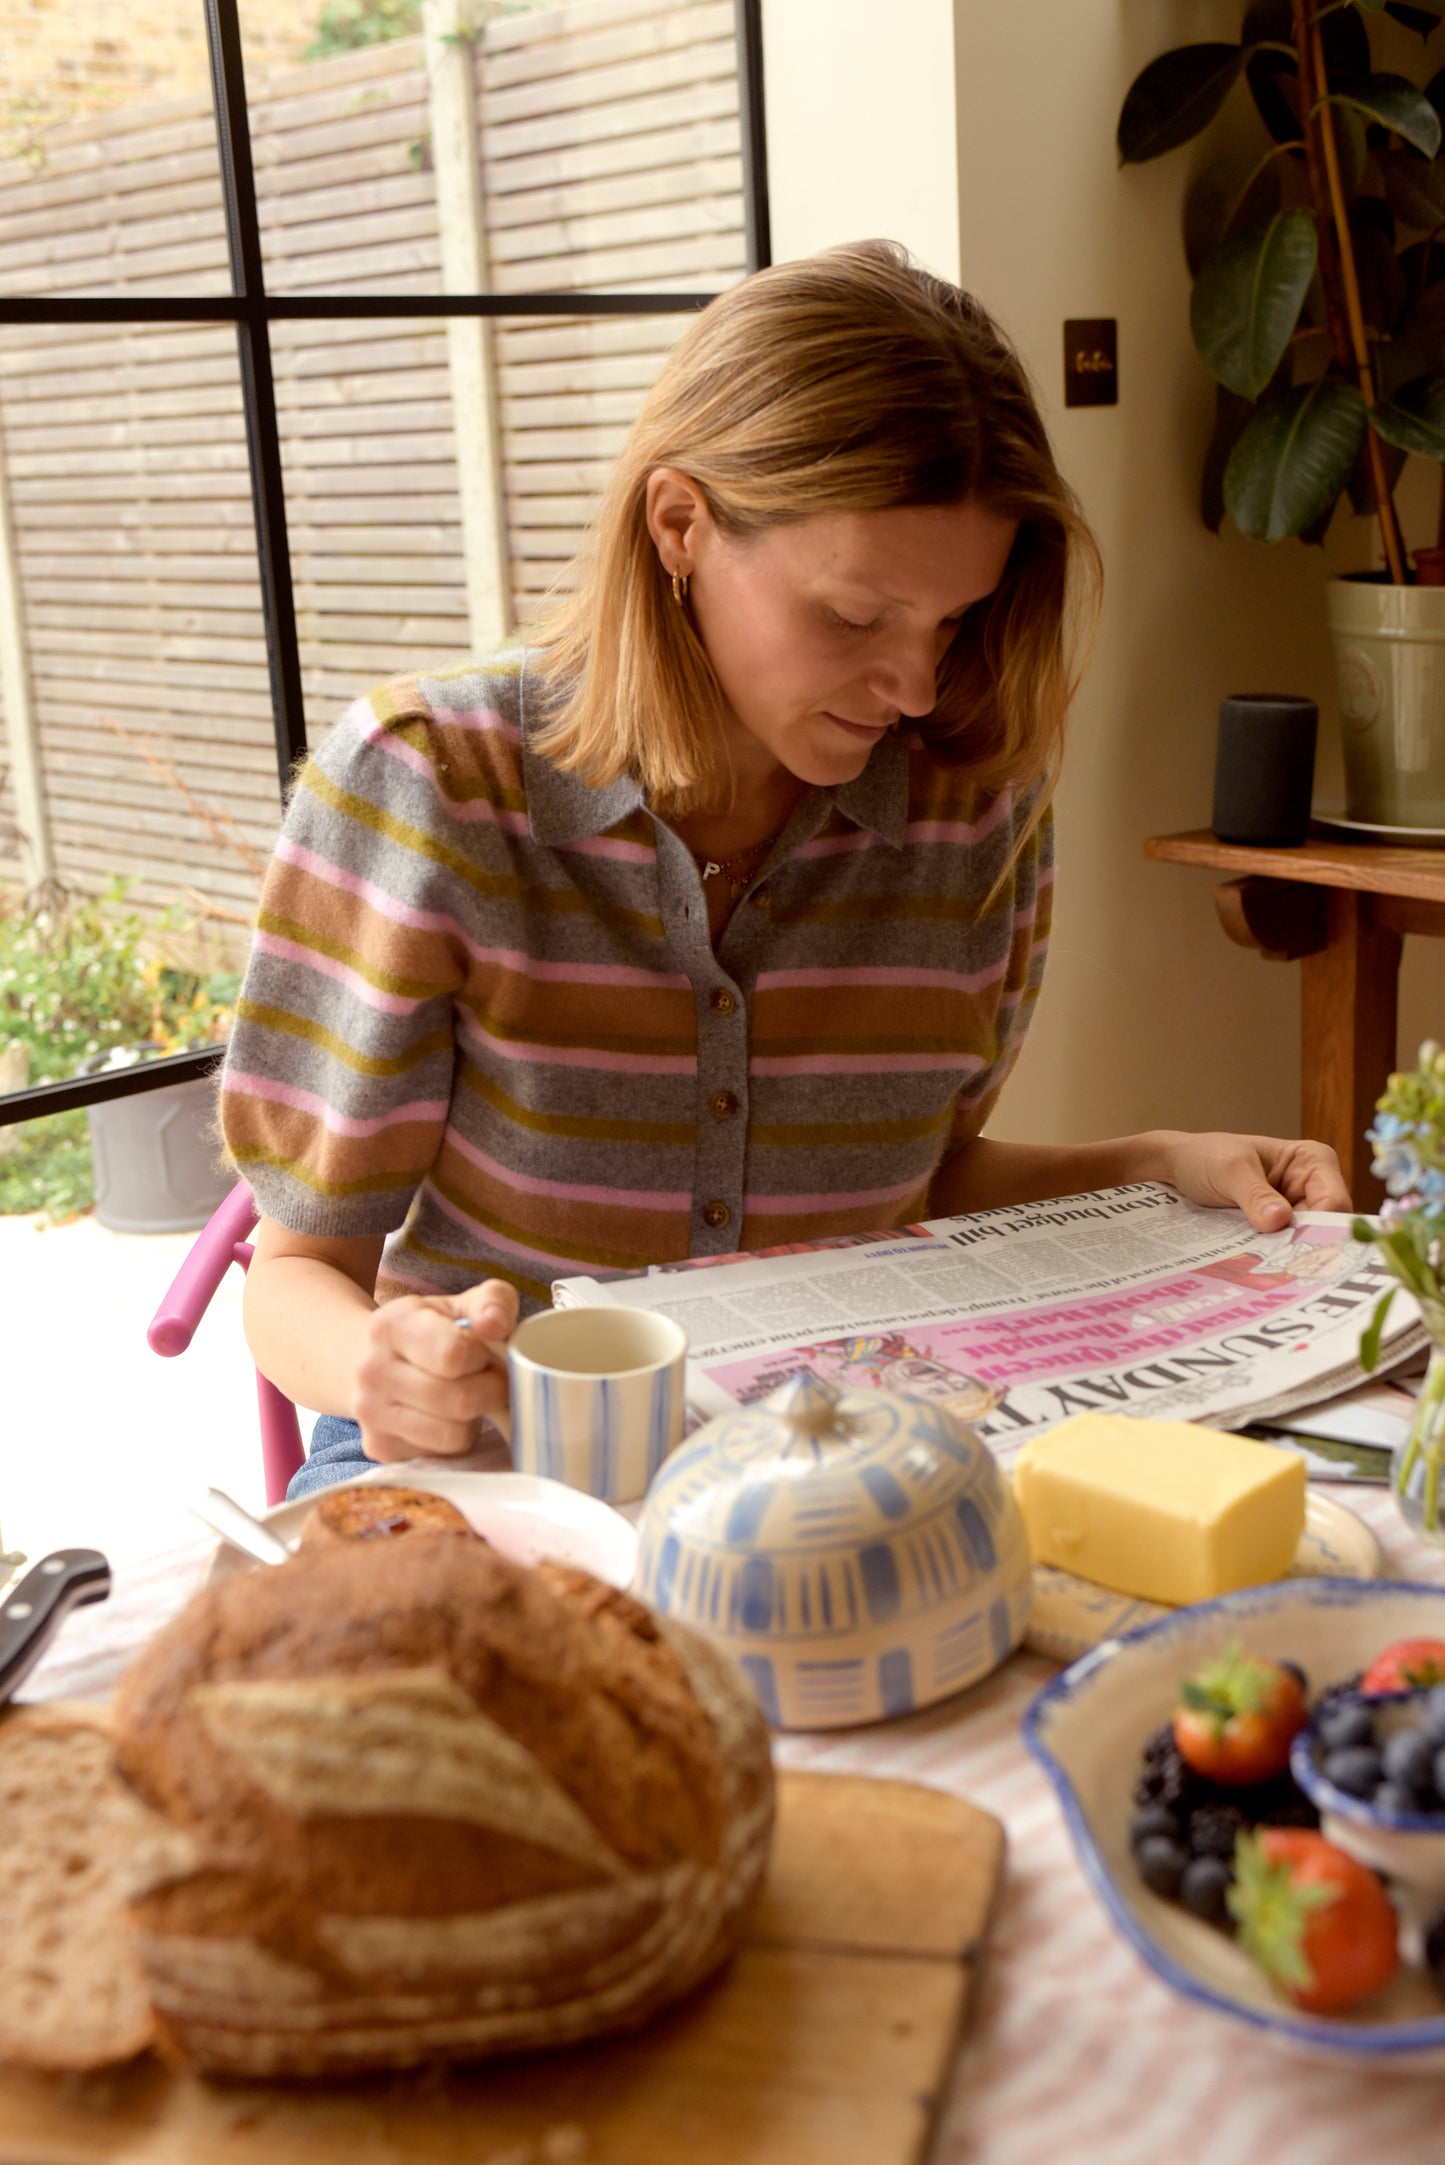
[523, 1516]
[1087, 1729]
[1331, 816]
[1071, 1615]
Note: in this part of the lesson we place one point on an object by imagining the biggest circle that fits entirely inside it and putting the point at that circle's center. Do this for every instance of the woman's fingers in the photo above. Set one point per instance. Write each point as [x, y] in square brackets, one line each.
[423, 1388]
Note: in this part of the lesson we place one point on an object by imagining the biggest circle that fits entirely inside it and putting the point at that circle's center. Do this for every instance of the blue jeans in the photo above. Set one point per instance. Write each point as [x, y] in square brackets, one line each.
[335, 1455]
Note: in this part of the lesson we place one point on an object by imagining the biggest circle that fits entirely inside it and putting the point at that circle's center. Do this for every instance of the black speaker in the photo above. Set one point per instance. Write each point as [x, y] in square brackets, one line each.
[1264, 769]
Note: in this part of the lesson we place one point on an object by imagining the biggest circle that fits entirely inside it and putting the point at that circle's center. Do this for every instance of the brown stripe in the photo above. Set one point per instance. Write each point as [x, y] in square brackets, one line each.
[315, 1033]
[582, 1127]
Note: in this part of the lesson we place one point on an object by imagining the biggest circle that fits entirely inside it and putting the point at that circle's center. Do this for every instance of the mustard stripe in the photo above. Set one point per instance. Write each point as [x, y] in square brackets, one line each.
[295, 1169]
[547, 901]
[421, 736]
[478, 1267]
[582, 1127]
[410, 988]
[499, 668]
[315, 1033]
[610, 1258]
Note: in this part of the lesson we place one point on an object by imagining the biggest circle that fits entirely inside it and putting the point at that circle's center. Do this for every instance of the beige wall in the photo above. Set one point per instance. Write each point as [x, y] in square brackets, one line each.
[1149, 1016]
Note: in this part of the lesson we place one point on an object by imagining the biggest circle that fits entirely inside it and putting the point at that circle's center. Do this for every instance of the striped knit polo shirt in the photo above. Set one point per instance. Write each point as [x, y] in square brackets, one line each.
[483, 1014]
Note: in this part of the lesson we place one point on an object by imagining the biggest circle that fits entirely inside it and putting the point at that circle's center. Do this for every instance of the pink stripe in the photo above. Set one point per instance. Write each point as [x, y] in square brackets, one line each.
[946, 980]
[475, 1228]
[387, 1003]
[864, 1063]
[782, 1206]
[567, 1190]
[612, 1063]
[423, 1286]
[479, 811]
[510, 958]
[306, 1101]
[833, 845]
[601, 845]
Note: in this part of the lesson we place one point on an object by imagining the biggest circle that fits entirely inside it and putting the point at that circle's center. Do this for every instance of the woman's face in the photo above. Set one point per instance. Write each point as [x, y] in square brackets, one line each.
[827, 631]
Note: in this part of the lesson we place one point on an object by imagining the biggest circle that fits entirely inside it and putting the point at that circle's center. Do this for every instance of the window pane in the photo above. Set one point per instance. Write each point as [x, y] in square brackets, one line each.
[109, 177]
[593, 145]
[141, 641]
[393, 569]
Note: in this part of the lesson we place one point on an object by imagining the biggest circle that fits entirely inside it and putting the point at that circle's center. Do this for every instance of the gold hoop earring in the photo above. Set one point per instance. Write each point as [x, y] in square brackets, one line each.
[679, 587]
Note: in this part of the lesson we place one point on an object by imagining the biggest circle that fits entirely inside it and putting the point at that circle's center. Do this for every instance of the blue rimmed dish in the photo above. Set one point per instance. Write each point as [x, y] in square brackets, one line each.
[1087, 1729]
[1408, 1846]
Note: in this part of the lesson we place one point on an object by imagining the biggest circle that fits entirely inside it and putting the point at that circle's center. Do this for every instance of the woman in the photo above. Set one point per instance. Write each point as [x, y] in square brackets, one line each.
[714, 921]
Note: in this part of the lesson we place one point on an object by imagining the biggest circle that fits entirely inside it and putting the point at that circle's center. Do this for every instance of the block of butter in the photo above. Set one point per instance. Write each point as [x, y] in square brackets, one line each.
[1163, 1510]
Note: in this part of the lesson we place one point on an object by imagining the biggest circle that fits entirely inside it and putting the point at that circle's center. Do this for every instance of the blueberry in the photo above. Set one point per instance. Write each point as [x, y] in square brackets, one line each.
[1154, 1819]
[1204, 1889]
[1439, 1772]
[1292, 1668]
[1356, 1770]
[1433, 1724]
[1161, 1864]
[1390, 1797]
[1345, 1727]
[1408, 1759]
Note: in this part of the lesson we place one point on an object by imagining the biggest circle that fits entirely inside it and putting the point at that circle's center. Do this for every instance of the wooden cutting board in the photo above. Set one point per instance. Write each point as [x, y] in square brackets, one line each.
[825, 2042]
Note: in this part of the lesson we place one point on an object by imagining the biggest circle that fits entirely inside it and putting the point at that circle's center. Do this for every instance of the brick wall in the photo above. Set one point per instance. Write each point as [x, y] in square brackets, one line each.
[68, 58]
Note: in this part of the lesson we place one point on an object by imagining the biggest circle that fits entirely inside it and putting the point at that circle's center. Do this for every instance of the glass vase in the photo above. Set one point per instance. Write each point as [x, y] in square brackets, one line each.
[1417, 1469]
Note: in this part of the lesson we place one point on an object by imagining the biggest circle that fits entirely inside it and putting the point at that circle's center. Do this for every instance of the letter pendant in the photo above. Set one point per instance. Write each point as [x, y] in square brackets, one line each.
[709, 868]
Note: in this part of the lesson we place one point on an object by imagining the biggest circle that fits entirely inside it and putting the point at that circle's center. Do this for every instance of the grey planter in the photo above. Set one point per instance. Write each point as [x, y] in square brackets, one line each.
[1390, 652]
[157, 1168]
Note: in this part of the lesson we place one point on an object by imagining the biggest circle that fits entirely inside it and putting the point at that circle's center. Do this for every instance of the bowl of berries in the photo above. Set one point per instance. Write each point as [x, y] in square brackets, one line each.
[1189, 1759]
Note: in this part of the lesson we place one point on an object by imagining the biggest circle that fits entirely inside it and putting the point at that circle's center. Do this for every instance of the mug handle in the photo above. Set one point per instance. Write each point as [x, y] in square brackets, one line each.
[501, 1420]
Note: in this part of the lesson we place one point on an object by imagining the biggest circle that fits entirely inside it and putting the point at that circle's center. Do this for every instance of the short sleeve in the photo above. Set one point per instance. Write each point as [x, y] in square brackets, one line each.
[1025, 903]
[338, 1074]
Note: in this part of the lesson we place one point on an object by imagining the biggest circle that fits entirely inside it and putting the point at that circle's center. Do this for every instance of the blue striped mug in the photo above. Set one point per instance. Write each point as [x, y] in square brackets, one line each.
[597, 1397]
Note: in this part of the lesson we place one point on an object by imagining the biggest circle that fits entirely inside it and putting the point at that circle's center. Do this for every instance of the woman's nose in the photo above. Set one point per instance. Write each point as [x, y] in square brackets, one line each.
[906, 679]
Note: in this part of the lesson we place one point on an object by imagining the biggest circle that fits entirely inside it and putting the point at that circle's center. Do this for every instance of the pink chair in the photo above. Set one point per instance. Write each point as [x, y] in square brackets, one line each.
[222, 1242]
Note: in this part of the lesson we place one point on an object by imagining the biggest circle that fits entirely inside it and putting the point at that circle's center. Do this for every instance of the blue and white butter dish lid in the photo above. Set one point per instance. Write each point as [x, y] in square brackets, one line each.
[859, 1553]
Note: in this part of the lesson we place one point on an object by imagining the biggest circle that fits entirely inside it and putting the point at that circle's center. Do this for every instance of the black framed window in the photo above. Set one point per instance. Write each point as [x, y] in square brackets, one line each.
[302, 387]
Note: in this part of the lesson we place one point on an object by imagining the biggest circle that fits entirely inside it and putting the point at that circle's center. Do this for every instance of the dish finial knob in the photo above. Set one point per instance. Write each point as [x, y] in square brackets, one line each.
[807, 1404]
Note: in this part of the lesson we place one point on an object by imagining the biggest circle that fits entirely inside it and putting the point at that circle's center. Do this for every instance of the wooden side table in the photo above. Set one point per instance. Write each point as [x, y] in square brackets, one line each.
[1339, 909]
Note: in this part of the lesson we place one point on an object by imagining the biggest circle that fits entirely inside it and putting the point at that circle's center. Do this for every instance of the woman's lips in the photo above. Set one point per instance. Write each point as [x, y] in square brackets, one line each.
[870, 730]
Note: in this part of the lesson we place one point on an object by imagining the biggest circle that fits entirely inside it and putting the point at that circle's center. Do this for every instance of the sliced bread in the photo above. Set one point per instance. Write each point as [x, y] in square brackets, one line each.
[72, 1995]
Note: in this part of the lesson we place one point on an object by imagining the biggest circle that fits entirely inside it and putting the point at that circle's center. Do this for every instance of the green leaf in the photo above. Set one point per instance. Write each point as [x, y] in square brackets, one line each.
[1175, 97]
[1414, 189]
[1420, 15]
[1293, 459]
[1239, 189]
[1247, 299]
[1393, 102]
[1230, 416]
[1375, 1331]
[1414, 419]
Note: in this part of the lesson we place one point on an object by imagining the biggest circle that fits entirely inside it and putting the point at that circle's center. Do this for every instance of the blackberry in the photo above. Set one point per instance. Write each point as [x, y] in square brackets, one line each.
[1160, 1745]
[1213, 1830]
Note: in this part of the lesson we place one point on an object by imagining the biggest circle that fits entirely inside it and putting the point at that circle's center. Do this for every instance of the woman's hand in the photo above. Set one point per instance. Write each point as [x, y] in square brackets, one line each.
[1258, 1174]
[423, 1387]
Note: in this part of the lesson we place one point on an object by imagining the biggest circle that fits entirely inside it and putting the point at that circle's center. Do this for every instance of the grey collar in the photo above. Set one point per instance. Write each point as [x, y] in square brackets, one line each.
[562, 808]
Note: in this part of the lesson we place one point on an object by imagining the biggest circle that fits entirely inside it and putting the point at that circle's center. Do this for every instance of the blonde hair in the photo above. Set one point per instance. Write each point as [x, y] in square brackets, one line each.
[849, 381]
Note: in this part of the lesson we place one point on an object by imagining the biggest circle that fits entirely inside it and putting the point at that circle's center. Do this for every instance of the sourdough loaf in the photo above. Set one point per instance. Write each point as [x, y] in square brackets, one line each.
[72, 1995]
[433, 1805]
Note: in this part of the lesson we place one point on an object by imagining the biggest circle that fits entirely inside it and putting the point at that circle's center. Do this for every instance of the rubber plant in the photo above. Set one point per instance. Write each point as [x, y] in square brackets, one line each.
[1318, 257]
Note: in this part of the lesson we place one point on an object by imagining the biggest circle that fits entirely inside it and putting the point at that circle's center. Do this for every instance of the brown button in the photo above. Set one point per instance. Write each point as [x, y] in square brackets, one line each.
[762, 897]
[716, 1215]
[722, 1001]
[722, 1105]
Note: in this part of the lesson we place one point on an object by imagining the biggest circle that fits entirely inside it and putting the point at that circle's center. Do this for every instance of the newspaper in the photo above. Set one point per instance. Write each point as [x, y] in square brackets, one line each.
[1128, 1300]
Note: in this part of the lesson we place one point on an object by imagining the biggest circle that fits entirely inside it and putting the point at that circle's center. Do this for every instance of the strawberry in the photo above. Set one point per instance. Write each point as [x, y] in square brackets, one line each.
[1318, 1923]
[1405, 1666]
[1237, 1718]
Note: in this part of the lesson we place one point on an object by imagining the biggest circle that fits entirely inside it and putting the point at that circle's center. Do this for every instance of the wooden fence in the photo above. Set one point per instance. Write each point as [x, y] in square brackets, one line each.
[609, 148]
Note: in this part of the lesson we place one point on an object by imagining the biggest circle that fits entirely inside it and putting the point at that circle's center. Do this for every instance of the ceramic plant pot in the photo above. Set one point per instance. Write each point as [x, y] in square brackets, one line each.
[858, 1552]
[1390, 654]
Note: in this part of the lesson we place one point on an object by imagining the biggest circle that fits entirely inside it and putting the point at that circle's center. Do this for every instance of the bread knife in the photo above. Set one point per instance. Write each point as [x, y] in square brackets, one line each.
[30, 1612]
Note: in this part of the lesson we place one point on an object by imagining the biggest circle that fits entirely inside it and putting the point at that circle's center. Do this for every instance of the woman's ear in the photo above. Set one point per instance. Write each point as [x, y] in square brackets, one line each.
[678, 518]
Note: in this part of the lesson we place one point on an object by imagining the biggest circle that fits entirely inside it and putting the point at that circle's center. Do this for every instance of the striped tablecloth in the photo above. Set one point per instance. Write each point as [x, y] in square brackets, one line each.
[1076, 2055]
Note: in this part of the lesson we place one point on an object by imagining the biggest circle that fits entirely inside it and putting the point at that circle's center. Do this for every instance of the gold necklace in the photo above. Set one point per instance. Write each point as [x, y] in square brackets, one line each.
[708, 866]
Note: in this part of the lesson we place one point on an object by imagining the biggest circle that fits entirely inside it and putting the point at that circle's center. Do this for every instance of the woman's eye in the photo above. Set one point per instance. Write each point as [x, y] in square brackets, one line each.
[846, 623]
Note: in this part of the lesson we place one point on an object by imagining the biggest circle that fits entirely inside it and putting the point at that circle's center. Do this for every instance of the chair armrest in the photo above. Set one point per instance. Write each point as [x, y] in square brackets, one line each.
[189, 1296]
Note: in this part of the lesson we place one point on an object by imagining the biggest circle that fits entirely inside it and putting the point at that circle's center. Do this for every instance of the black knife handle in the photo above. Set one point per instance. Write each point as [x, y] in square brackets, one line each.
[30, 1611]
